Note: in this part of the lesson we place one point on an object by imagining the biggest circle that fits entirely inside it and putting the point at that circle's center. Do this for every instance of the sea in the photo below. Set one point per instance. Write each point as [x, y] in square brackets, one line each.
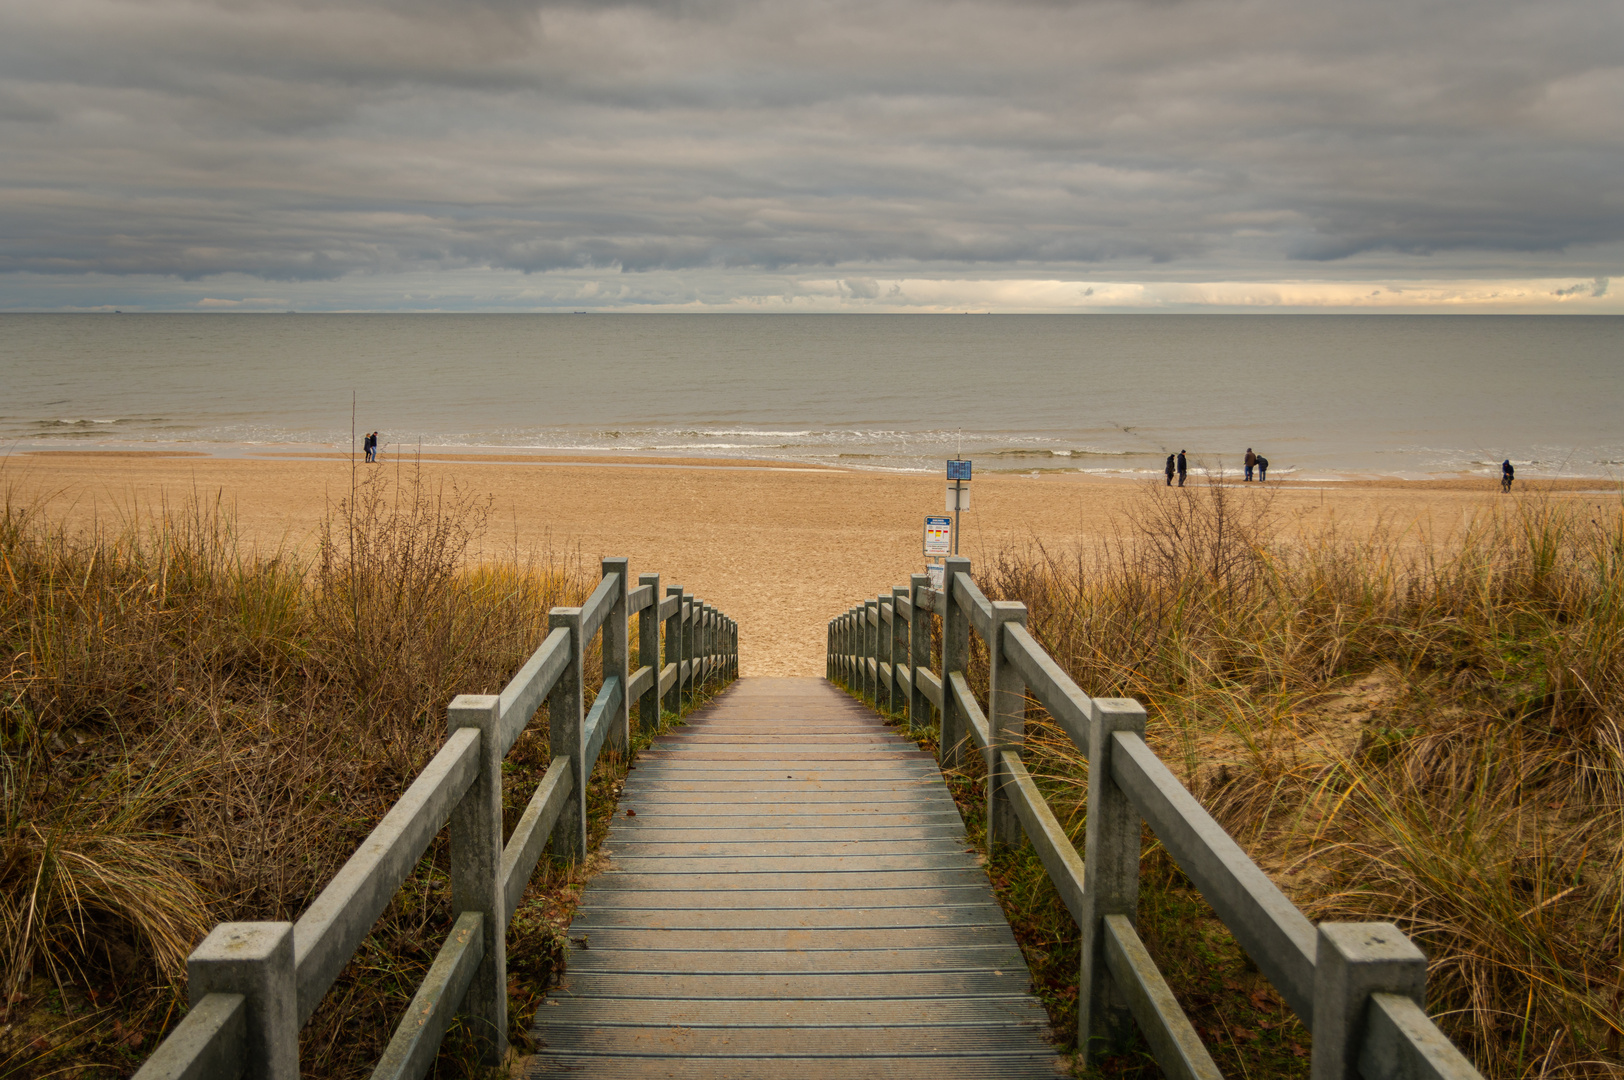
[1324, 397]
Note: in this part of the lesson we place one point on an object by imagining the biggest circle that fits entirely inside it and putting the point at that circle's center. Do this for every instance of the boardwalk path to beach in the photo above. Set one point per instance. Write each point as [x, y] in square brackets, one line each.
[790, 894]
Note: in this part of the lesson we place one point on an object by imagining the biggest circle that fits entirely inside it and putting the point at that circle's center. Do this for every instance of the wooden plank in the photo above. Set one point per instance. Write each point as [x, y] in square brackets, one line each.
[704, 849]
[872, 799]
[658, 832]
[803, 938]
[807, 986]
[782, 918]
[678, 1040]
[924, 896]
[1038, 1065]
[700, 963]
[566, 1008]
[789, 825]
[789, 864]
[784, 880]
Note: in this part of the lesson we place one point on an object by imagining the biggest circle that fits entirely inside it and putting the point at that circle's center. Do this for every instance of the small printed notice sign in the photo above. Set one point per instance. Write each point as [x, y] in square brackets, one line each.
[938, 575]
[938, 536]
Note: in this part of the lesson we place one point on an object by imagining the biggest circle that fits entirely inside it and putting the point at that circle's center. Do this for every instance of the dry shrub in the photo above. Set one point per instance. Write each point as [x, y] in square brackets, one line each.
[1397, 725]
[193, 732]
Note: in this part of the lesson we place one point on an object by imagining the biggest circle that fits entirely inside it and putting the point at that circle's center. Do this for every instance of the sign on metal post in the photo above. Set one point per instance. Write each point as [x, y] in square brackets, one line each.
[938, 575]
[958, 496]
[938, 536]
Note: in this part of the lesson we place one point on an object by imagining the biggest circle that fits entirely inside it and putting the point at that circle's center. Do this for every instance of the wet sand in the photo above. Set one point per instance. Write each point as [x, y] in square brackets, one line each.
[781, 549]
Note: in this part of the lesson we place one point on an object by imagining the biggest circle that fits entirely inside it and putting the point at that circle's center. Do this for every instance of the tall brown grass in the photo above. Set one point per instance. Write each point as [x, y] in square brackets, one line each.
[1397, 724]
[194, 731]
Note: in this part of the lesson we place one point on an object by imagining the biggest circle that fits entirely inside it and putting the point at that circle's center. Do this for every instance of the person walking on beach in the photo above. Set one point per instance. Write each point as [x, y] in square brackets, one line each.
[1251, 460]
[1183, 468]
[1262, 468]
[1169, 470]
[1507, 475]
[370, 444]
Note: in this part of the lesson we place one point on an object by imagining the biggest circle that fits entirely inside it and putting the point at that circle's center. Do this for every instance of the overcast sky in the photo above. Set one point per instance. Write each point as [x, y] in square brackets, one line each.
[812, 155]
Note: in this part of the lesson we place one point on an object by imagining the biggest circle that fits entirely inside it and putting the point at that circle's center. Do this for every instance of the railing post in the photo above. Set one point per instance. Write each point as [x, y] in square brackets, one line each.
[844, 667]
[882, 653]
[955, 657]
[673, 651]
[899, 649]
[1006, 723]
[616, 653]
[854, 650]
[1351, 962]
[918, 655]
[1110, 876]
[254, 959]
[476, 872]
[689, 653]
[701, 659]
[648, 654]
[710, 643]
[566, 713]
[871, 652]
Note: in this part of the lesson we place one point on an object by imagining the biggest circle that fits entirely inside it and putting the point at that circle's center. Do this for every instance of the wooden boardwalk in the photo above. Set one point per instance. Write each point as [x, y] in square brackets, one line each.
[790, 894]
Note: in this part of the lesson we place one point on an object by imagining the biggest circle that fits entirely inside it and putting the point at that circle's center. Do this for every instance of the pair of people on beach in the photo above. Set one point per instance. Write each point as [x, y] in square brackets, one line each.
[370, 445]
[1258, 462]
[1176, 461]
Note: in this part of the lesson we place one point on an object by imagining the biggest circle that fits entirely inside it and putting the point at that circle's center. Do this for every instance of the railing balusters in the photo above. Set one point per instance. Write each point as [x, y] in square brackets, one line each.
[566, 717]
[898, 648]
[648, 654]
[1006, 725]
[252, 985]
[616, 652]
[254, 959]
[1354, 961]
[1358, 987]
[476, 872]
[1110, 875]
[955, 657]
[673, 650]
[918, 655]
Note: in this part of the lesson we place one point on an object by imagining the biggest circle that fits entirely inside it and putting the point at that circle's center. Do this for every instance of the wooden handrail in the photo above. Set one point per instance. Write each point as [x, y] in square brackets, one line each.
[254, 984]
[1333, 976]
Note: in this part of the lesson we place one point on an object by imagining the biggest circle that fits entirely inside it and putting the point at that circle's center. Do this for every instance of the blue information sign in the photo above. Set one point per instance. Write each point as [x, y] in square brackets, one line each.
[958, 470]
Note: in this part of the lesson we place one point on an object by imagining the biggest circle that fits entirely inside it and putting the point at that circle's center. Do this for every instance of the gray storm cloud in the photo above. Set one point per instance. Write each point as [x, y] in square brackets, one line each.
[306, 142]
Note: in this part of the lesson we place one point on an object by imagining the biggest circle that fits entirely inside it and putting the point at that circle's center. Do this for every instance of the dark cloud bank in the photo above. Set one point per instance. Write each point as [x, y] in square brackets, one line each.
[308, 141]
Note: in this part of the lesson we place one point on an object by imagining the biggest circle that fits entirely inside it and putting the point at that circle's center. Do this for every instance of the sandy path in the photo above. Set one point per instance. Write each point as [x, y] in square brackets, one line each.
[782, 551]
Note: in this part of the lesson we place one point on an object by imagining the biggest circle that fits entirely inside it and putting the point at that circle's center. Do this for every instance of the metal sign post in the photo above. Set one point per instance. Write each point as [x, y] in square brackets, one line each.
[958, 496]
[938, 536]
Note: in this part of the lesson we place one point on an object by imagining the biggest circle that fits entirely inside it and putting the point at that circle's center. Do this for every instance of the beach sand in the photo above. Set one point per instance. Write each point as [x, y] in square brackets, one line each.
[780, 549]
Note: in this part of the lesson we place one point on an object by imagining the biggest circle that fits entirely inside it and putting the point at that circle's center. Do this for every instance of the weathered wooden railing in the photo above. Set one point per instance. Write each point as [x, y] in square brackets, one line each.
[1359, 988]
[253, 985]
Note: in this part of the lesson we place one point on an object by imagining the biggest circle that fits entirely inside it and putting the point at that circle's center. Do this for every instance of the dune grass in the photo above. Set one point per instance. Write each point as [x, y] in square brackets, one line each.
[192, 731]
[1396, 725]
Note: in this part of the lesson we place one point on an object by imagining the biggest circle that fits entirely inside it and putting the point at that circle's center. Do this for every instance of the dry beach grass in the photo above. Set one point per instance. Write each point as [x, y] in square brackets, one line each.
[221, 671]
[1398, 725]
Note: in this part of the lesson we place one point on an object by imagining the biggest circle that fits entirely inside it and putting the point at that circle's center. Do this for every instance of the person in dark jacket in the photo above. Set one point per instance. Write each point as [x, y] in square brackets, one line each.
[1251, 460]
[1169, 470]
[1183, 468]
[1507, 475]
[1262, 468]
